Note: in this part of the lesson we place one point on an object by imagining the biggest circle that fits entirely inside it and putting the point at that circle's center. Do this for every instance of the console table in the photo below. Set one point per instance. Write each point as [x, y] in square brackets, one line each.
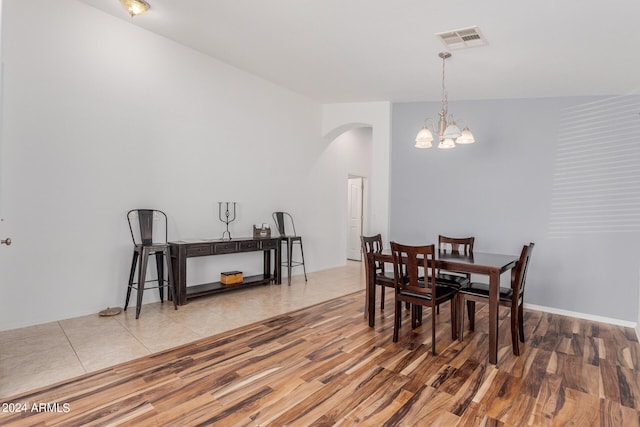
[181, 250]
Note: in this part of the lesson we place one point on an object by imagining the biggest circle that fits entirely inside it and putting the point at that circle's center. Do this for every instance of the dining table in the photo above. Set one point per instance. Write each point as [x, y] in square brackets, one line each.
[484, 263]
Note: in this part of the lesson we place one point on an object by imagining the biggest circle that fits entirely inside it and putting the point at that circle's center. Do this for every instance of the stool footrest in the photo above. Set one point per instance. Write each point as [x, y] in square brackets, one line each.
[293, 263]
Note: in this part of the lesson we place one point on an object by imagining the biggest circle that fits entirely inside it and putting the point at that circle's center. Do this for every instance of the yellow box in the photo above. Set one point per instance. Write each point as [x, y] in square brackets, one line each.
[231, 277]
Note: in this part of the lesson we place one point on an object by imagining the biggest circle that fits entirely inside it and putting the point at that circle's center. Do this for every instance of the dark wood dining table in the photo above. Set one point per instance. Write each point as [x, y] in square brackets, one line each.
[489, 264]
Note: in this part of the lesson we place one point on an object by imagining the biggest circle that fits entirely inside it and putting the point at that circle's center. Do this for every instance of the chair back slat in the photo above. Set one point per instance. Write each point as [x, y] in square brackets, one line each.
[145, 220]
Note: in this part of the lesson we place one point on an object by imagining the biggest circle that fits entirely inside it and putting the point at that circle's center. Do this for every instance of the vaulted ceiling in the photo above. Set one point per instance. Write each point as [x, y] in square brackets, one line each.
[373, 50]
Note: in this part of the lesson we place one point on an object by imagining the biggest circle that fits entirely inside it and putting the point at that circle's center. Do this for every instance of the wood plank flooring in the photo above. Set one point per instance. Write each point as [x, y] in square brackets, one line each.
[324, 366]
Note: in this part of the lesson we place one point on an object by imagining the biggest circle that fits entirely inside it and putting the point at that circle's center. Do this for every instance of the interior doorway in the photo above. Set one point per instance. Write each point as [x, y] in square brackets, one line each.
[355, 209]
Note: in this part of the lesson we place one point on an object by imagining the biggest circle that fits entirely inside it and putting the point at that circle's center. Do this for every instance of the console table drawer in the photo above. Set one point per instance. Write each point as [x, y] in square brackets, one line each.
[199, 250]
[270, 244]
[225, 248]
[249, 246]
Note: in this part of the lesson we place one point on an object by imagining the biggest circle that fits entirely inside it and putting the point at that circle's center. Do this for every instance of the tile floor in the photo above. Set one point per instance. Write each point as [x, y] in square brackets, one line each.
[44, 354]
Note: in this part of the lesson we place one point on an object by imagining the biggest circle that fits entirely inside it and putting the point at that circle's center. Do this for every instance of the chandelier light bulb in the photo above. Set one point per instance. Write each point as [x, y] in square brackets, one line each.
[452, 131]
[466, 137]
[446, 143]
[424, 138]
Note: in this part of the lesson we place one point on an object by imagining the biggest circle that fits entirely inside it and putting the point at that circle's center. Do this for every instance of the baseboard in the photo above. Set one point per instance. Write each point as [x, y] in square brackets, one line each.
[619, 322]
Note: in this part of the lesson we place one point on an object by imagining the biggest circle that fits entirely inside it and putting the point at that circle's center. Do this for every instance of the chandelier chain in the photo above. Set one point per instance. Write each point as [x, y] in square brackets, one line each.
[444, 90]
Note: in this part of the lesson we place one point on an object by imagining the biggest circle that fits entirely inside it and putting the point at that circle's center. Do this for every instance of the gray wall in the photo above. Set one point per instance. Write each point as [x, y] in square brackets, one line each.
[559, 172]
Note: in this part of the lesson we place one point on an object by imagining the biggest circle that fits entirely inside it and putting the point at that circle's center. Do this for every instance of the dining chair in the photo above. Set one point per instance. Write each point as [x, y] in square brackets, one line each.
[512, 297]
[454, 279]
[373, 244]
[412, 266]
[461, 245]
[149, 240]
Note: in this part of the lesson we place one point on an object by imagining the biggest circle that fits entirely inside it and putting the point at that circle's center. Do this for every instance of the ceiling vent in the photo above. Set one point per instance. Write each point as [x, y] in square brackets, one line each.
[463, 38]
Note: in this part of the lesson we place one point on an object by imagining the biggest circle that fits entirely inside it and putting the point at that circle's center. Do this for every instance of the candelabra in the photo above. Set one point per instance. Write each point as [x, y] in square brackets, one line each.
[229, 217]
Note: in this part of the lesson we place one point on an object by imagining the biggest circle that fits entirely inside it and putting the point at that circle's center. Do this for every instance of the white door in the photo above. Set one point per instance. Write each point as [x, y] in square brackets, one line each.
[355, 219]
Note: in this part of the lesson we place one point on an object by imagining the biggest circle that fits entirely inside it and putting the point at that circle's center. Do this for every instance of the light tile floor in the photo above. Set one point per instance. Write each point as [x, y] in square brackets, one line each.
[44, 354]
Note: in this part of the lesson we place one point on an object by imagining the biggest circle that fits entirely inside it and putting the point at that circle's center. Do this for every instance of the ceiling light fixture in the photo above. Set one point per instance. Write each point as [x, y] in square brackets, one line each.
[135, 7]
[448, 132]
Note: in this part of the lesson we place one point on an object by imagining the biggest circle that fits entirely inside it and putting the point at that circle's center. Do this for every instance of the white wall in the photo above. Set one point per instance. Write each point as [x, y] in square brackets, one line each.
[336, 118]
[101, 117]
[350, 153]
[510, 188]
[1, 115]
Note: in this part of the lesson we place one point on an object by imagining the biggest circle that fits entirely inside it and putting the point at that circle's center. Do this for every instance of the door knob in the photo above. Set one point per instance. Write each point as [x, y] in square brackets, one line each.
[6, 241]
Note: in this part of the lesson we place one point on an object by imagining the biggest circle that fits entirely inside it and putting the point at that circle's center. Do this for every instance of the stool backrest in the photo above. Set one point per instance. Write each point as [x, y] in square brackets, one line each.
[141, 225]
[284, 223]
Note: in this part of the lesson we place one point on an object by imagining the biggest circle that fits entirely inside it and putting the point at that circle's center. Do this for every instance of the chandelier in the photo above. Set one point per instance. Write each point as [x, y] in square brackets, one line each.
[135, 7]
[448, 132]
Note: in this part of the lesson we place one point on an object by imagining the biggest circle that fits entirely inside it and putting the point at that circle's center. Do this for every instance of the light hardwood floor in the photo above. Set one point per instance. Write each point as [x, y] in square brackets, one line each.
[44, 354]
[324, 366]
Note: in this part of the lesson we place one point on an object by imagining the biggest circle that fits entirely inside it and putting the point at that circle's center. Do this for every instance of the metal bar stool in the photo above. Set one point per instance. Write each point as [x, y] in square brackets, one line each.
[287, 231]
[142, 233]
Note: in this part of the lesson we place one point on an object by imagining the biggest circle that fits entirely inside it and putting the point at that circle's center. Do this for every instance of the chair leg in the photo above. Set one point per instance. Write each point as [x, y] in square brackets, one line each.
[131, 276]
[144, 257]
[382, 297]
[515, 343]
[433, 332]
[289, 253]
[172, 288]
[396, 320]
[521, 321]
[304, 269]
[460, 317]
[471, 308]
[416, 315]
[454, 317]
[160, 268]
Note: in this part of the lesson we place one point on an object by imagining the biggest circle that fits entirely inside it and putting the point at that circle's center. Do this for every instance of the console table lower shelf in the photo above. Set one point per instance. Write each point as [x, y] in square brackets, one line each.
[215, 287]
[181, 250]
